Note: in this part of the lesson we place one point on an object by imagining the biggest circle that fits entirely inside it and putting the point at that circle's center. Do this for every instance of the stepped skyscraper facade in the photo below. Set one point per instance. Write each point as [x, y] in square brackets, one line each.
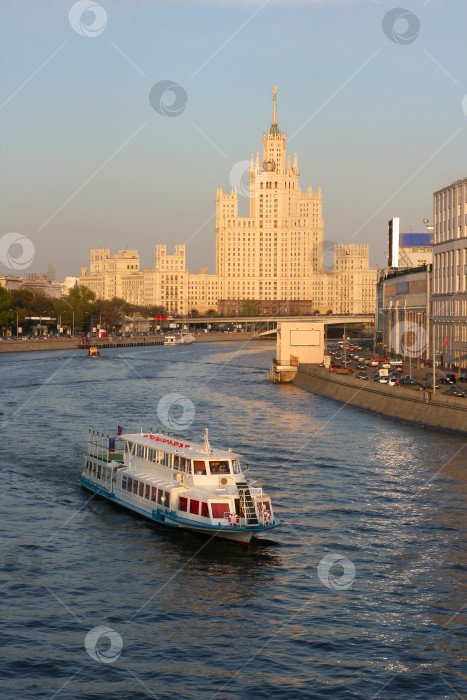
[270, 261]
[273, 254]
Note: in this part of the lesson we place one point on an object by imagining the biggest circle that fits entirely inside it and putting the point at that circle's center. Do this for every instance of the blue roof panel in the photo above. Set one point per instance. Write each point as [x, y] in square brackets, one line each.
[417, 239]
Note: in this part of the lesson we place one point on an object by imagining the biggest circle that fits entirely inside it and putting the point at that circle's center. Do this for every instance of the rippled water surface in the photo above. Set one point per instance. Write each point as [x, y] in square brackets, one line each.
[208, 620]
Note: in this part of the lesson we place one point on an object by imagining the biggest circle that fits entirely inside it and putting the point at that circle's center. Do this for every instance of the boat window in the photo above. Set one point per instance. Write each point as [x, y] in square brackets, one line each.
[182, 504]
[194, 506]
[204, 510]
[166, 459]
[176, 461]
[124, 482]
[98, 471]
[220, 510]
[130, 484]
[135, 486]
[265, 504]
[165, 498]
[219, 467]
[160, 493]
[147, 493]
[141, 488]
[199, 466]
[236, 466]
[153, 493]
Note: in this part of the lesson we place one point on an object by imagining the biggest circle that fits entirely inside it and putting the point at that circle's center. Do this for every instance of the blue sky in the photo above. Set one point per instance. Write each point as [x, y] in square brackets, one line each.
[87, 161]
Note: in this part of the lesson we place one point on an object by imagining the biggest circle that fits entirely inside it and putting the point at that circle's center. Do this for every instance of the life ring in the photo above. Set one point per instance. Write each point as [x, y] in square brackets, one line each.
[233, 519]
[267, 517]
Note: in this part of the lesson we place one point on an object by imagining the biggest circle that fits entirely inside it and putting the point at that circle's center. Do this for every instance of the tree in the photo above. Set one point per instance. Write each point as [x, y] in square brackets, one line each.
[6, 303]
[83, 303]
[250, 307]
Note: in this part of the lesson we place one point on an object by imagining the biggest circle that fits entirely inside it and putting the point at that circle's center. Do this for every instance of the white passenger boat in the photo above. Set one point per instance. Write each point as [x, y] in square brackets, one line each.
[186, 338]
[190, 486]
[172, 340]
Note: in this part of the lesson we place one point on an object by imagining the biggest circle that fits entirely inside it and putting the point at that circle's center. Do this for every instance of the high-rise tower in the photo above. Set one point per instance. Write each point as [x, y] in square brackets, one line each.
[271, 255]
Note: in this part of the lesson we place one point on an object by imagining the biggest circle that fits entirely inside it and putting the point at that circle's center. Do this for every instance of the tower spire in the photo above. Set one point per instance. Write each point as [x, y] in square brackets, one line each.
[274, 130]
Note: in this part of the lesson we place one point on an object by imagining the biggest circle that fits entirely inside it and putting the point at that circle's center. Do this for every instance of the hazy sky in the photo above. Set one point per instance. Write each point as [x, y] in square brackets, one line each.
[374, 104]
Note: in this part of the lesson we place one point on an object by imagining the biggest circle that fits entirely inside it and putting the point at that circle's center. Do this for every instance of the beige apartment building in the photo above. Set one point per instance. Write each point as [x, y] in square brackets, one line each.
[274, 256]
[450, 273]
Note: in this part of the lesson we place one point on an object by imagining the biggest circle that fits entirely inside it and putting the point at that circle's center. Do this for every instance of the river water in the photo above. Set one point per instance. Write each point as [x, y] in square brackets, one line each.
[359, 594]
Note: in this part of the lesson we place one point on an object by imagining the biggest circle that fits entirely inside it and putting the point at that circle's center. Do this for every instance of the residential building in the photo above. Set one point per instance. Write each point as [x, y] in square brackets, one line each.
[271, 260]
[272, 254]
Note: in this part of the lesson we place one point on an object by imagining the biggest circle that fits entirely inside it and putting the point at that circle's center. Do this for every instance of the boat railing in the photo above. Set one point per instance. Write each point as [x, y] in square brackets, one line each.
[106, 448]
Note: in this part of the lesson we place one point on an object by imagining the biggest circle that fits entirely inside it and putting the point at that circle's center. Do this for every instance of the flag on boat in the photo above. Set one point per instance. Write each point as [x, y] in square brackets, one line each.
[119, 430]
[111, 444]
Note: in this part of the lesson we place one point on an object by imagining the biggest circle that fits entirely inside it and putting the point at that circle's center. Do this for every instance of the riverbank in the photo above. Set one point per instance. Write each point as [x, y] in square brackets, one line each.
[74, 343]
[440, 412]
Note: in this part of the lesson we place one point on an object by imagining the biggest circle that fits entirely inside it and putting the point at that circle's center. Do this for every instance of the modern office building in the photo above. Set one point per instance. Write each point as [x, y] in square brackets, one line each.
[450, 273]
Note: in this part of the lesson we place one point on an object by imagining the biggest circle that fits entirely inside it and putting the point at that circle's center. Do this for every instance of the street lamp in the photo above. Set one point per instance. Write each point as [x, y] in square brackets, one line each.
[15, 312]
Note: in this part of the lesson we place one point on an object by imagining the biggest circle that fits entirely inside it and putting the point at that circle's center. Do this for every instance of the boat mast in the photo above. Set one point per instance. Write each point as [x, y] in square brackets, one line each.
[206, 445]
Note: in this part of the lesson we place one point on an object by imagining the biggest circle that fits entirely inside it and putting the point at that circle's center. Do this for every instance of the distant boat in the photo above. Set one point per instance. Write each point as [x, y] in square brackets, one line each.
[186, 338]
[172, 340]
[93, 351]
[185, 486]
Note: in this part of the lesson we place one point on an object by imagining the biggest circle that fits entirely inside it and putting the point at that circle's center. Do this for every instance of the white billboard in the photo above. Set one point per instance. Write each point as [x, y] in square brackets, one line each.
[393, 236]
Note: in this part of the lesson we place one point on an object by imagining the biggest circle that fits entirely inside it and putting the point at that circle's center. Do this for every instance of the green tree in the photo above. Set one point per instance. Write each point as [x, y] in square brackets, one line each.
[83, 303]
[250, 307]
[6, 303]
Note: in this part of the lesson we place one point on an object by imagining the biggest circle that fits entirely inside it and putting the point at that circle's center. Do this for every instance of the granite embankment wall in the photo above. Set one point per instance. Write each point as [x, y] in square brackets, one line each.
[73, 343]
[441, 412]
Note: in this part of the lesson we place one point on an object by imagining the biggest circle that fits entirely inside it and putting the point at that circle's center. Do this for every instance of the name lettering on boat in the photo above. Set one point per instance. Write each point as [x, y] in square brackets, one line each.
[169, 442]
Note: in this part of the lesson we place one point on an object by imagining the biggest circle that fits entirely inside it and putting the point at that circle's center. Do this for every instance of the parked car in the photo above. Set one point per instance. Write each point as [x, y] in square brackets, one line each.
[362, 375]
[462, 377]
[361, 365]
[429, 384]
[382, 380]
[396, 363]
[448, 379]
[410, 383]
[338, 369]
[455, 391]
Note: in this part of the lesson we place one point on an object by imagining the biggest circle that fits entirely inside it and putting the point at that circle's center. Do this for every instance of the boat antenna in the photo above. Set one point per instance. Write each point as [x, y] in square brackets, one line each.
[206, 445]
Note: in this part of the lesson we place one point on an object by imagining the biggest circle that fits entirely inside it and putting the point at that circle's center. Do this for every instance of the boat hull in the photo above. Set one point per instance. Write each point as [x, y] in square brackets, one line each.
[239, 535]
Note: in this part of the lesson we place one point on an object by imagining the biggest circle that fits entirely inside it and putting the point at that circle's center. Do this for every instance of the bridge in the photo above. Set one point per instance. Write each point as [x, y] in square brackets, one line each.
[303, 340]
[329, 319]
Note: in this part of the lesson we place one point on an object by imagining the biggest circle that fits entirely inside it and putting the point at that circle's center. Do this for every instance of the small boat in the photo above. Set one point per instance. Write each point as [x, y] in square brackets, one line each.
[186, 338]
[189, 486]
[172, 340]
[93, 351]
